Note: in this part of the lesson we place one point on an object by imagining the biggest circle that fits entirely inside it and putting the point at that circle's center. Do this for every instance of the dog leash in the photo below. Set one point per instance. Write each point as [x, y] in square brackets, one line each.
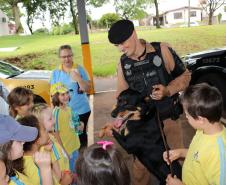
[165, 143]
[123, 126]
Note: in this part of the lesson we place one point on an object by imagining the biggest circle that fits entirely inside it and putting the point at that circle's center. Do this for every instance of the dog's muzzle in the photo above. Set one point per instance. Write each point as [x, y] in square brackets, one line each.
[119, 121]
[119, 109]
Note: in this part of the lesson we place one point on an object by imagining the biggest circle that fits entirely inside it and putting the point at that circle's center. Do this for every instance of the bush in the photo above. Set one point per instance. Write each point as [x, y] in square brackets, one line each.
[108, 19]
[62, 30]
[56, 30]
[65, 29]
[41, 31]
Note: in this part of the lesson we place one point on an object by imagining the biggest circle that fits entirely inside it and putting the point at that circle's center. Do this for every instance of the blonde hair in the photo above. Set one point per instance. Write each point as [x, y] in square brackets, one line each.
[38, 110]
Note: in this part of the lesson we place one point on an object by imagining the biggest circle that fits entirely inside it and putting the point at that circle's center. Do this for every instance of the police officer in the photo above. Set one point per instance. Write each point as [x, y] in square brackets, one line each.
[153, 69]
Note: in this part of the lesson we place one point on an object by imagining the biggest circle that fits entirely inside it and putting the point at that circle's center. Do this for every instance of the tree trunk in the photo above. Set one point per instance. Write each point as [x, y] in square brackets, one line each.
[30, 28]
[157, 14]
[210, 18]
[29, 23]
[74, 18]
[16, 15]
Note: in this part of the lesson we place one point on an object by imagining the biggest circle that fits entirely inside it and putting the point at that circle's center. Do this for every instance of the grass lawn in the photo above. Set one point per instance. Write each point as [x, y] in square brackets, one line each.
[40, 51]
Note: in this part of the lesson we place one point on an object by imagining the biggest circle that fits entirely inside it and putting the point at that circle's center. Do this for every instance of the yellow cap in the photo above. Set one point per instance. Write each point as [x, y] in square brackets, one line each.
[58, 88]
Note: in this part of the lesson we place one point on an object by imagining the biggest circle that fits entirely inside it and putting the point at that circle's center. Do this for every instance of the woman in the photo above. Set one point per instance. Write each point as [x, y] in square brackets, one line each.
[74, 77]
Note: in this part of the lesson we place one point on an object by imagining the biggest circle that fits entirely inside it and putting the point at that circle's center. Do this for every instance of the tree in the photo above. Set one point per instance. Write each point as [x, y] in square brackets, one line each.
[108, 19]
[74, 12]
[96, 3]
[210, 6]
[33, 9]
[12, 8]
[157, 14]
[7, 9]
[57, 10]
[131, 9]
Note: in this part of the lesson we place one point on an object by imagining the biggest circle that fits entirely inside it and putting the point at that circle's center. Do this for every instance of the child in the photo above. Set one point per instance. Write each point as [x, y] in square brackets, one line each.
[205, 159]
[12, 137]
[4, 178]
[20, 102]
[66, 122]
[102, 164]
[30, 148]
[44, 114]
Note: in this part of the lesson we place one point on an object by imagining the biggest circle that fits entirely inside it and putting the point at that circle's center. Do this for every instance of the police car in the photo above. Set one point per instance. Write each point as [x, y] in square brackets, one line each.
[210, 67]
[35, 80]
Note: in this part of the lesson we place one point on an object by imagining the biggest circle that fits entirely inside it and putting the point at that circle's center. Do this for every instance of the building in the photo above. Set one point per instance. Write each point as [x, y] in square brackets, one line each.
[4, 20]
[180, 15]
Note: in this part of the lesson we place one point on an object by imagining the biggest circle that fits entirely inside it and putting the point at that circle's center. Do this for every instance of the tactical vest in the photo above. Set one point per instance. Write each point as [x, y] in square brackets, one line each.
[142, 75]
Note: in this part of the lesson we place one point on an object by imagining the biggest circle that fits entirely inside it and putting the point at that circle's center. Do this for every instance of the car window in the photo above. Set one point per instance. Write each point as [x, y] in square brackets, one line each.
[8, 70]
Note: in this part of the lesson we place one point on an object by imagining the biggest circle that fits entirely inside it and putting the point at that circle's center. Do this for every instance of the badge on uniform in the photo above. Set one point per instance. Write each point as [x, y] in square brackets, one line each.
[157, 61]
[127, 66]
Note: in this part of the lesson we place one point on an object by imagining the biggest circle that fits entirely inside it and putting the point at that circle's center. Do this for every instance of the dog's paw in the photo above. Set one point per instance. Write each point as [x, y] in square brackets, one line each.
[106, 130]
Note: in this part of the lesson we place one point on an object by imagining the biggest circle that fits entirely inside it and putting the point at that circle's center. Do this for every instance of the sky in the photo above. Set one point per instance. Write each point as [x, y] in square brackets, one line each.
[96, 13]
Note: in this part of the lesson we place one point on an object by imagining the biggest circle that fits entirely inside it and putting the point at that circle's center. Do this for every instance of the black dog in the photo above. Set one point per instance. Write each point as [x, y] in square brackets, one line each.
[141, 135]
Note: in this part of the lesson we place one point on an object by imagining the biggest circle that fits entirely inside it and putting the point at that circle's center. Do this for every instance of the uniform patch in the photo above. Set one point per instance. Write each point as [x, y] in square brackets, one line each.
[127, 66]
[157, 61]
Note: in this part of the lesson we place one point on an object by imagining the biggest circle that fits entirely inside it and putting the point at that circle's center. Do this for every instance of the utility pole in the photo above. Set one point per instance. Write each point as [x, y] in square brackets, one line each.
[189, 7]
[85, 41]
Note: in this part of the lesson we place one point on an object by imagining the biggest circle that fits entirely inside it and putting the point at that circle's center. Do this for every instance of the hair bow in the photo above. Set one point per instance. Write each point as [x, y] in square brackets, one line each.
[105, 144]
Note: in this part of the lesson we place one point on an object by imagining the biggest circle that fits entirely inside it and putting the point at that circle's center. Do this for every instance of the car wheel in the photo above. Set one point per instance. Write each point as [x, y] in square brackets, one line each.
[217, 81]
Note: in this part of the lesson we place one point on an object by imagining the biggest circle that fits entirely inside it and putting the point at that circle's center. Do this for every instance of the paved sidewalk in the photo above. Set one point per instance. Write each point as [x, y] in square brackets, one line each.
[178, 134]
[104, 99]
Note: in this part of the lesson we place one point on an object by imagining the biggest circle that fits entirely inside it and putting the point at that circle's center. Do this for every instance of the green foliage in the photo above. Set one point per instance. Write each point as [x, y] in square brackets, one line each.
[55, 30]
[11, 7]
[96, 3]
[33, 9]
[57, 9]
[130, 9]
[219, 17]
[65, 29]
[62, 30]
[41, 31]
[7, 9]
[95, 24]
[108, 19]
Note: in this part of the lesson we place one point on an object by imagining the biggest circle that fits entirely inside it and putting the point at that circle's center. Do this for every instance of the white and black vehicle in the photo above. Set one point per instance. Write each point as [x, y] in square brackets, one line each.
[210, 67]
[35, 80]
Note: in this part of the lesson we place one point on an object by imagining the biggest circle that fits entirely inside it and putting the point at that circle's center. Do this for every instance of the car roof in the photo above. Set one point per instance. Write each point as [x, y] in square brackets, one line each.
[207, 53]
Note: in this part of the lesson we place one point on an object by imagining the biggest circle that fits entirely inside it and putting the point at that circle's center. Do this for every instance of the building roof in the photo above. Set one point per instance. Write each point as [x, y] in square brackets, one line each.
[2, 13]
[181, 8]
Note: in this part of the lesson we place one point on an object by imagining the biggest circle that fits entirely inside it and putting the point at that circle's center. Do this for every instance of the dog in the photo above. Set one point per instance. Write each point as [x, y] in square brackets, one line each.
[137, 130]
